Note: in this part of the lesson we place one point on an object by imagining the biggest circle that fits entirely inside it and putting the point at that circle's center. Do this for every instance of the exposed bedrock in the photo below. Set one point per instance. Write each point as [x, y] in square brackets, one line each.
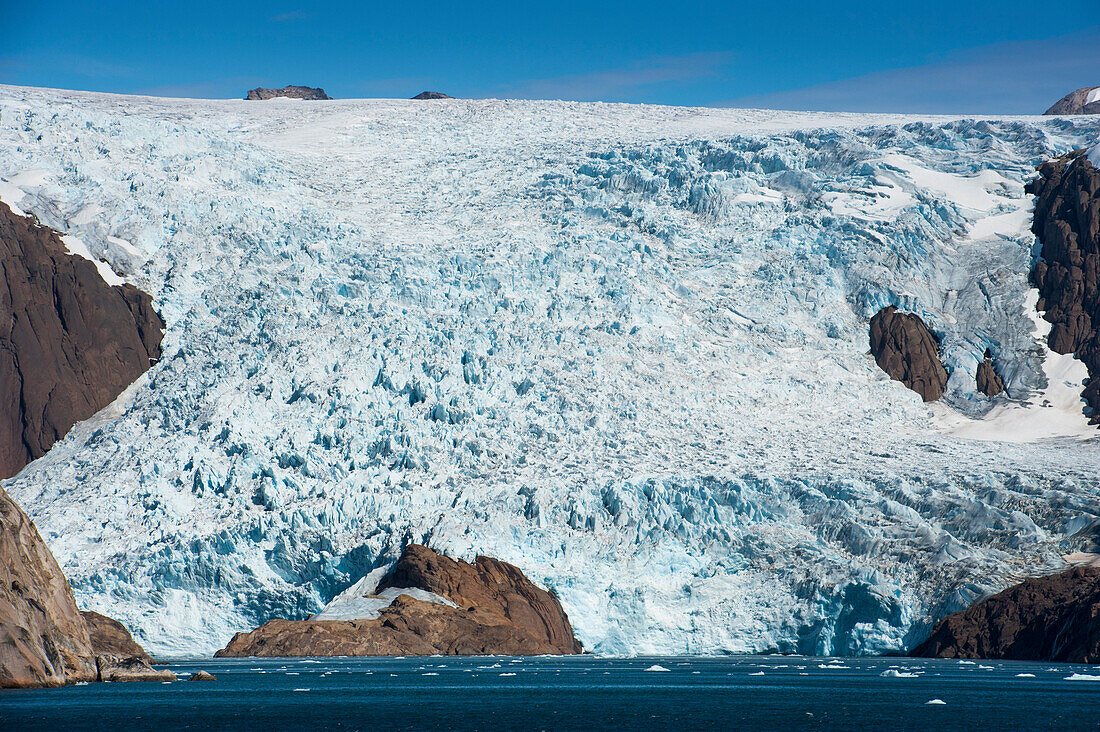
[1067, 223]
[69, 342]
[989, 381]
[289, 91]
[44, 639]
[1082, 101]
[432, 95]
[905, 349]
[494, 609]
[1053, 618]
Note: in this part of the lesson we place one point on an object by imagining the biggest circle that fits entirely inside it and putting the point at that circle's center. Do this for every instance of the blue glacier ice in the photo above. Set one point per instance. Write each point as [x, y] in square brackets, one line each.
[622, 347]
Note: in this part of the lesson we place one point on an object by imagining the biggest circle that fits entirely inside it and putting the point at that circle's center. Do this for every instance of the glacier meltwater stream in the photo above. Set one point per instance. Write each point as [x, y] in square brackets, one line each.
[622, 347]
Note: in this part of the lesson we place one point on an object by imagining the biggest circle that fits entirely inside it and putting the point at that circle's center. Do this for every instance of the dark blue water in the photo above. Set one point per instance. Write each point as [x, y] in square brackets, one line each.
[753, 692]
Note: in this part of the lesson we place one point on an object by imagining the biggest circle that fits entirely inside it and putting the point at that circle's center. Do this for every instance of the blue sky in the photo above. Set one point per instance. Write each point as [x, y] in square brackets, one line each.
[934, 56]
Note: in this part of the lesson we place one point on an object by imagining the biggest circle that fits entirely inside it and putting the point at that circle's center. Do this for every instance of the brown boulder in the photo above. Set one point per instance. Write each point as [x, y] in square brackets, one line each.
[43, 639]
[69, 342]
[1053, 618]
[1067, 223]
[499, 612]
[989, 381]
[110, 637]
[907, 351]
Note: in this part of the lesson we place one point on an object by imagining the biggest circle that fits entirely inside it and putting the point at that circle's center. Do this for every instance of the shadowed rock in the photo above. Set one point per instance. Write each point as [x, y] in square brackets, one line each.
[43, 639]
[1077, 102]
[69, 342]
[989, 381]
[288, 91]
[905, 349]
[432, 95]
[203, 676]
[1053, 618]
[1067, 223]
[499, 611]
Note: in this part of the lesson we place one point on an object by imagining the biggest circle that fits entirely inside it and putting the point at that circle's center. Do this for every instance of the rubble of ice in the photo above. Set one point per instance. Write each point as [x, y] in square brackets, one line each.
[622, 347]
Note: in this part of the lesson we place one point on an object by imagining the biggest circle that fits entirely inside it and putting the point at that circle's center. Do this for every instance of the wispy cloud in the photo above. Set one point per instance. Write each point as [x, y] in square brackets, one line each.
[622, 83]
[287, 17]
[230, 87]
[1023, 77]
[69, 63]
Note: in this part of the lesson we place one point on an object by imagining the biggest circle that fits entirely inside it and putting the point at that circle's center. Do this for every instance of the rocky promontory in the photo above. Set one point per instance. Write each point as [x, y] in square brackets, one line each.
[1067, 224]
[1053, 618]
[289, 91]
[908, 352]
[1082, 101]
[69, 342]
[427, 604]
[44, 639]
[432, 95]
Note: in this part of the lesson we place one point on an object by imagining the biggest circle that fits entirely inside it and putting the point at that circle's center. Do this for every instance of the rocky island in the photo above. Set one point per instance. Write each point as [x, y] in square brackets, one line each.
[427, 604]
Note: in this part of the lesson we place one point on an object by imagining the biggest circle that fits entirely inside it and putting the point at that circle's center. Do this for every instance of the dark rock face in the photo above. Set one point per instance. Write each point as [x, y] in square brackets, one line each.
[989, 381]
[1076, 102]
[432, 95]
[1054, 618]
[69, 342]
[499, 612]
[292, 92]
[43, 639]
[905, 349]
[1067, 223]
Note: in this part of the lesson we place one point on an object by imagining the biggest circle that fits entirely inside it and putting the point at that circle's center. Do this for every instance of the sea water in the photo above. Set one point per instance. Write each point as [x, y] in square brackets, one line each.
[578, 692]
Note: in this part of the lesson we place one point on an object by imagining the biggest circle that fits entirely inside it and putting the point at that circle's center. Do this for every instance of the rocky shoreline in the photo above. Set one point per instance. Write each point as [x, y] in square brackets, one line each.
[485, 608]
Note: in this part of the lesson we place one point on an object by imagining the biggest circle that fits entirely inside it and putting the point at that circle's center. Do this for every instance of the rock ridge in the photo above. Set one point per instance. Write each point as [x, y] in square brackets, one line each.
[289, 91]
[1067, 224]
[908, 352]
[69, 342]
[1077, 102]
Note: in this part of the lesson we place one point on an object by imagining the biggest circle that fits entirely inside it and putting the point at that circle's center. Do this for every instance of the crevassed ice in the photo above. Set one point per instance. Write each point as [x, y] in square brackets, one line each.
[622, 347]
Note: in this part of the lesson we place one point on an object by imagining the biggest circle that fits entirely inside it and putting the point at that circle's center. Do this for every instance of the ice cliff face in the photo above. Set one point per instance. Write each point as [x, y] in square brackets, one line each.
[622, 347]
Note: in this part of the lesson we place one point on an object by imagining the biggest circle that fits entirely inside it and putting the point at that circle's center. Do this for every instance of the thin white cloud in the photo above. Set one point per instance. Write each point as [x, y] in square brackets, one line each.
[1023, 77]
[622, 83]
[287, 17]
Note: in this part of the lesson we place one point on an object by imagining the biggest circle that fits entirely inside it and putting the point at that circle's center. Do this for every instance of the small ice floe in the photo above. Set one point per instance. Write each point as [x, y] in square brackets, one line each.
[1083, 677]
[1025, 676]
[985, 668]
[85, 683]
[832, 666]
[757, 673]
[656, 667]
[508, 674]
[967, 663]
[893, 673]
[430, 673]
[292, 673]
[301, 690]
[935, 702]
[516, 660]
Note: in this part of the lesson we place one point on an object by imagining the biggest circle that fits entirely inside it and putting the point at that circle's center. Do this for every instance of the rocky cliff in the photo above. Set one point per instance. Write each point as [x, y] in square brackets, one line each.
[1082, 101]
[288, 91]
[988, 380]
[432, 95]
[496, 610]
[69, 342]
[44, 639]
[905, 349]
[1053, 618]
[1067, 223]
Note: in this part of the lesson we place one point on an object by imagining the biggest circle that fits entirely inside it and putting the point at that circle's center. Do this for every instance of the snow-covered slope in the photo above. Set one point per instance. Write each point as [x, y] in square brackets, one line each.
[623, 347]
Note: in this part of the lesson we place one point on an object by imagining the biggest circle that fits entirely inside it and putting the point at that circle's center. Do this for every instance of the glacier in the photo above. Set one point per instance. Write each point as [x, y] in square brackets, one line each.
[623, 347]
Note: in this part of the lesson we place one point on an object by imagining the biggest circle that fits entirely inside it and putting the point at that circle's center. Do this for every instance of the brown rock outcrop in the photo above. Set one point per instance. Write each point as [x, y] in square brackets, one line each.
[69, 342]
[1053, 618]
[43, 639]
[1076, 102]
[289, 91]
[907, 351]
[1067, 223]
[499, 612]
[989, 381]
[432, 95]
